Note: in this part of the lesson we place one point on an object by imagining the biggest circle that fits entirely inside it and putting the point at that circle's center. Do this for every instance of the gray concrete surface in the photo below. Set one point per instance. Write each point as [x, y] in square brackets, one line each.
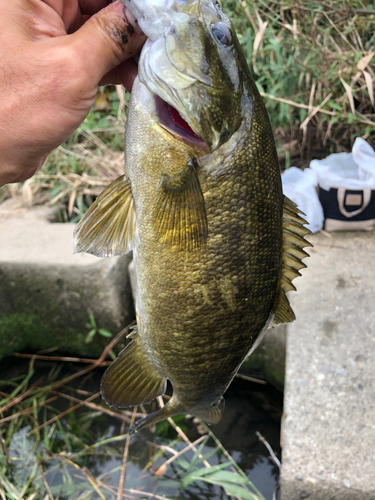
[328, 434]
[47, 293]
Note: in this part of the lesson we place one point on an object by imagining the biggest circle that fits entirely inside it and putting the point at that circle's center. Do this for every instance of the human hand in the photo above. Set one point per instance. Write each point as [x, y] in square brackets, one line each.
[53, 57]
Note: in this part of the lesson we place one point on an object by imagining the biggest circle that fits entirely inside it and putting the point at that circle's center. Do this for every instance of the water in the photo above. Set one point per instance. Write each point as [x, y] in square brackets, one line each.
[69, 467]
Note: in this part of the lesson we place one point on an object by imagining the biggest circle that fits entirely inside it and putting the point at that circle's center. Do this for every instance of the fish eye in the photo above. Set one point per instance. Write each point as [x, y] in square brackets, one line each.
[221, 32]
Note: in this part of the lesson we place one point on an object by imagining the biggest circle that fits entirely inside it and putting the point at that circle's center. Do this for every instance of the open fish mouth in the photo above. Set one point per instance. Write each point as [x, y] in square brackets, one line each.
[171, 120]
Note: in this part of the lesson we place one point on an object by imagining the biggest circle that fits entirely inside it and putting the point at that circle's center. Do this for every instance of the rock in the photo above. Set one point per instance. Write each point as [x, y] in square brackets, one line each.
[329, 426]
[47, 293]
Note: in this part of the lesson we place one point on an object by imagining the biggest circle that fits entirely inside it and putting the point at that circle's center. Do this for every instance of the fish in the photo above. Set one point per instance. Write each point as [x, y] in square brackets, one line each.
[215, 243]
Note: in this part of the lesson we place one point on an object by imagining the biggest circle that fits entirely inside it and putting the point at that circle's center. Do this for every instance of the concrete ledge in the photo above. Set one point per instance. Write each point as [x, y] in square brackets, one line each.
[329, 427]
[47, 293]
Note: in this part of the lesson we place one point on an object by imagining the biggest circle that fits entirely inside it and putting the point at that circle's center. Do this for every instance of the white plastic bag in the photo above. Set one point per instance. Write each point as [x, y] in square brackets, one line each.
[347, 182]
[354, 170]
[299, 186]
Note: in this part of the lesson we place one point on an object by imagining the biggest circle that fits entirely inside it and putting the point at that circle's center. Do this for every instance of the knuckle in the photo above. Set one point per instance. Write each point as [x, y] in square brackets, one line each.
[112, 34]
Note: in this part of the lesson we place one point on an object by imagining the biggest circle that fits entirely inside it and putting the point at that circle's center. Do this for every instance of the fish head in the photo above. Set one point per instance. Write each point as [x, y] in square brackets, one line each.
[192, 61]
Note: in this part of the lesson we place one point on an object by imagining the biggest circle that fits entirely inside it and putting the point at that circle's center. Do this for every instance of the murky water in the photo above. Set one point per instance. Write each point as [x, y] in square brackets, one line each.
[249, 408]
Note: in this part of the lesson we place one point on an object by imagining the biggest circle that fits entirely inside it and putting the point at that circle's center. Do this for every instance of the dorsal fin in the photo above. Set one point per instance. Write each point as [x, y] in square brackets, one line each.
[293, 244]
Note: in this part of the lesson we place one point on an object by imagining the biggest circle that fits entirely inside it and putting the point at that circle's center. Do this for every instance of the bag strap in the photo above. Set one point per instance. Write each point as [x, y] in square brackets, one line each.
[341, 191]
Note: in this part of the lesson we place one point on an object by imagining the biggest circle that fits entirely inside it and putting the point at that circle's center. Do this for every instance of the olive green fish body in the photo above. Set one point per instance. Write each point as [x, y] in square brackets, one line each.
[200, 314]
[215, 244]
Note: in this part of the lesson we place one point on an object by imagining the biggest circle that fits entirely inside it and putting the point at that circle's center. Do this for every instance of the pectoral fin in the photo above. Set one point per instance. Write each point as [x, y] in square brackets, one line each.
[109, 227]
[180, 212]
[294, 242]
[131, 379]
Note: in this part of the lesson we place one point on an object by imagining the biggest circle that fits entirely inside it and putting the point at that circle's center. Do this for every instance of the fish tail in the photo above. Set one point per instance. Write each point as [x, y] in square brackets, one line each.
[172, 408]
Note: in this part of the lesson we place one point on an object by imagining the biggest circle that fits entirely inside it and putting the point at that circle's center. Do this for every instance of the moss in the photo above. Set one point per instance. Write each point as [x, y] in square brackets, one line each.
[42, 307]
[275, 374]
[255, 363]
[28, 331]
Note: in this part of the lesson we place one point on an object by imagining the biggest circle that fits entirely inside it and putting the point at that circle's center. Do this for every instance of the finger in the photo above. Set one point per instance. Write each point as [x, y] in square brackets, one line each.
[124, 73]
[105, 41]
[91, 7]
[68, 11]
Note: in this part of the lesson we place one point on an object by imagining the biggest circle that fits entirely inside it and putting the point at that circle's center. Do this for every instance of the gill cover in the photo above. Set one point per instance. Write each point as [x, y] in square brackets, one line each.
[191, 60]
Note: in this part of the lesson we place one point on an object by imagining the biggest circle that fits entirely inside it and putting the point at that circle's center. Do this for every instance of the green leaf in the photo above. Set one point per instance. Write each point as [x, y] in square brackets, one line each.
[233, 489]
[55, 191]
[105, 333]
[351, 118]
[334, 105]
[228, 476]
[238, 491]
[90, 336]
[199, 451]
[206, 456]
[92, 320]
[200, 474]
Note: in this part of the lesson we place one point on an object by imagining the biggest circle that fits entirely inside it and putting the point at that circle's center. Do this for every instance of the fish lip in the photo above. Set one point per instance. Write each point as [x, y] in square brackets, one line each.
[165, 119]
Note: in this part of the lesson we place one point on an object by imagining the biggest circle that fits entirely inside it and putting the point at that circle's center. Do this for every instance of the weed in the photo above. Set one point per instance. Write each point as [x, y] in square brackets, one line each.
[53, 447]
[313, 62]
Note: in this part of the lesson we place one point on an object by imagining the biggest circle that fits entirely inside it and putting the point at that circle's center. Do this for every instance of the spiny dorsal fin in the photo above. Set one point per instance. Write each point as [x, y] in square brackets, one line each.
[131, 379]
[294, 242]
[180, 212]
[108, 228]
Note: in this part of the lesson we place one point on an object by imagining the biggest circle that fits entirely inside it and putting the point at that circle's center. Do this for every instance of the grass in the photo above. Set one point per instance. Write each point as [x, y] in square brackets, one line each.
[54, 445]
[314, 64]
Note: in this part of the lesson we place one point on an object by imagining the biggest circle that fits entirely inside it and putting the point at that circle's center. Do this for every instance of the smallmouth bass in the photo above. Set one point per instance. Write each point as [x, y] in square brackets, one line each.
[216, 245]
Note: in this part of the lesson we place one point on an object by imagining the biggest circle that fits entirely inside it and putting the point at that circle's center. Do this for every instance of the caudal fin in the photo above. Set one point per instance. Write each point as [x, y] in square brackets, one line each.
[172, 408]
[169, 410]
[213, 415]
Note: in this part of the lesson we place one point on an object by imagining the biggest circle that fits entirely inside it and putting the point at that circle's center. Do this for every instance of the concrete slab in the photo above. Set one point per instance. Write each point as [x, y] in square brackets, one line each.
[47, 293]
[329, 427]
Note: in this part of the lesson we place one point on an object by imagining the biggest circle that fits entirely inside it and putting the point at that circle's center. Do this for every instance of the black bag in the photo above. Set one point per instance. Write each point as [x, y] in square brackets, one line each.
[348, 209]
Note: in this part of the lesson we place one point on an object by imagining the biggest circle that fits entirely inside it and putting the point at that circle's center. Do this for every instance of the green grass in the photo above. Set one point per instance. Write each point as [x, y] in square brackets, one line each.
[313, 64]
[55, 444]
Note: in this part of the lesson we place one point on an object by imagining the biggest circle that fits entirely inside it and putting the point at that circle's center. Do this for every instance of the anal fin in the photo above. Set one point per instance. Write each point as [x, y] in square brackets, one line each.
[131, 379]
[108, 228]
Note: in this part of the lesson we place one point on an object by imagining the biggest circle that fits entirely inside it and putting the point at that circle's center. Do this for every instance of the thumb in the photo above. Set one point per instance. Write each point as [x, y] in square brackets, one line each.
[106, 40]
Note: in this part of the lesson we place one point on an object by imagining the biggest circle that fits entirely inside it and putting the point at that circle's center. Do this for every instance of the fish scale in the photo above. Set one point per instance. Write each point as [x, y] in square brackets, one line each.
[215, 243]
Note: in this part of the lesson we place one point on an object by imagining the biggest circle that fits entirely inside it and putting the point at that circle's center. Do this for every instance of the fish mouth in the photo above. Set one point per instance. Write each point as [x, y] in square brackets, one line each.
[171, 120]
